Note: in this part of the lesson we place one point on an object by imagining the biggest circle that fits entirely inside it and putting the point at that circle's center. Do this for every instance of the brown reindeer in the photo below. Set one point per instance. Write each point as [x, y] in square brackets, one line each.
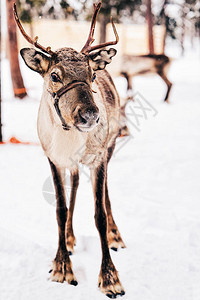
[78, 122]
[133, 65]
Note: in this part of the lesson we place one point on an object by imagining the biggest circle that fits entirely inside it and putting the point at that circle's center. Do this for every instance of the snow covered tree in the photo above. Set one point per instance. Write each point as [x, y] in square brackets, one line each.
[179, 17]
[52, 9]
[119, 9]
[28, 9]
[32, 9]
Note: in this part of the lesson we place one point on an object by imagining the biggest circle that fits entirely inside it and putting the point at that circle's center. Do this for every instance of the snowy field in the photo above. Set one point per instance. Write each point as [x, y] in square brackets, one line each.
[154, 184]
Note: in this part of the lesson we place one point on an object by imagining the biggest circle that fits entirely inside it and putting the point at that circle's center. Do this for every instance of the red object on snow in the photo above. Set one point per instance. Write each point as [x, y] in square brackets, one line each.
[14, 140]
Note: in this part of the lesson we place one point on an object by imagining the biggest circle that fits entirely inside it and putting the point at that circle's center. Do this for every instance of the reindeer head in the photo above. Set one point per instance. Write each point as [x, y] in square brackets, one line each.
[68, 76]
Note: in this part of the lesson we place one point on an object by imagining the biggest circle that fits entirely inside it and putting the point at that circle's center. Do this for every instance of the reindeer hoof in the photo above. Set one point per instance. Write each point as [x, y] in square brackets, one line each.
[62, 271]
[109, 283]
[114, 249]
[71, 242]
[114, 240]
[113, 296]
[113, 291]
[74, 282]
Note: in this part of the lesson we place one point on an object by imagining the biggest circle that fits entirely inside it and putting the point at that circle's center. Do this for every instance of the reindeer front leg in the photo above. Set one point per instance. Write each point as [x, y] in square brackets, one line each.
[62, 267]
[70, 238]
[109, 282]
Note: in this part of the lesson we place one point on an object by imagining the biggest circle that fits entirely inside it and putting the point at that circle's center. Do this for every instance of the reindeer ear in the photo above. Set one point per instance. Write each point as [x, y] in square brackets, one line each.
[99, 60]
[36, 61]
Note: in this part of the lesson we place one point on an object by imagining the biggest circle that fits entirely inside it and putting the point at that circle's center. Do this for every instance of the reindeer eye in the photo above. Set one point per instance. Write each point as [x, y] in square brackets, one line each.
[55, 77]
[94, 77]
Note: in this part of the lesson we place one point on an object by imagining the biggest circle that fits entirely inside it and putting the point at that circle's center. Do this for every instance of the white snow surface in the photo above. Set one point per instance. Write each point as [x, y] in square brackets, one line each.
[154, 185]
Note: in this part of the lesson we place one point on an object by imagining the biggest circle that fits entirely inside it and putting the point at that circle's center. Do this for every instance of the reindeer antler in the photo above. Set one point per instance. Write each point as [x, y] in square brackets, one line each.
[88, 48]
[30, 40]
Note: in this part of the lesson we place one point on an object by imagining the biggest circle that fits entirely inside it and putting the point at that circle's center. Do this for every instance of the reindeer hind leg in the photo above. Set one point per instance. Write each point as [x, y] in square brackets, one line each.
[109, 282]
[168, 83]
[113, 235]
[129, 86]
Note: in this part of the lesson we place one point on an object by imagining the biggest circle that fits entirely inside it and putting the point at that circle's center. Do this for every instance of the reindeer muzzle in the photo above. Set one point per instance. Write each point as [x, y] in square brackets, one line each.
[61, 92]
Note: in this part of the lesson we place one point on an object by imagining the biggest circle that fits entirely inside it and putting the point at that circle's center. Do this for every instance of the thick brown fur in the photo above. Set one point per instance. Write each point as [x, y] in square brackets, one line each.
[93, 122]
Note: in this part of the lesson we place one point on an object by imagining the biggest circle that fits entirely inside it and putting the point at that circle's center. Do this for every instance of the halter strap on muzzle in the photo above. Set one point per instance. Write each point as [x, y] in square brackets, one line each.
[61, 92]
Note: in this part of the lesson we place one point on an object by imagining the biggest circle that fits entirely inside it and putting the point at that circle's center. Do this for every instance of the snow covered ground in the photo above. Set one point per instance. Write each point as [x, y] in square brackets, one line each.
[154, 184]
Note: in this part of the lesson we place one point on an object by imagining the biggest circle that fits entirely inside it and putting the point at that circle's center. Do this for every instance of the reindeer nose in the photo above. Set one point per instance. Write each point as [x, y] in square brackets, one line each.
[89, 116]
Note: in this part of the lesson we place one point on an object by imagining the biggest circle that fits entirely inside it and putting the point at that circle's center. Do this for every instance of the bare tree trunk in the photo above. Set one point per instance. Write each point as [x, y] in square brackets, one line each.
[17, 80]
[103, 23]
[164, 41]
[182, 38]
[0, 78]
[149, 19]
[164, 22]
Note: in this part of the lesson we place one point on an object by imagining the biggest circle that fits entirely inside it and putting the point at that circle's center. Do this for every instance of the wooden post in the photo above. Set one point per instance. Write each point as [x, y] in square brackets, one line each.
[149, 19]
[17, 80]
